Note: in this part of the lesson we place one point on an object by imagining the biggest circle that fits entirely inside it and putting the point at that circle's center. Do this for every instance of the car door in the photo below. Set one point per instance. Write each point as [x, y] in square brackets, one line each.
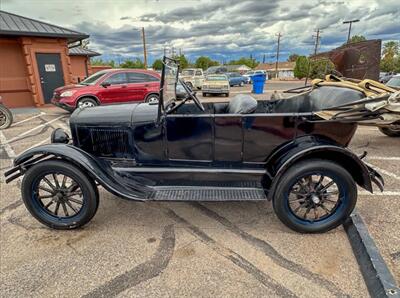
[116, 91]
[137, 85]
[189, 136]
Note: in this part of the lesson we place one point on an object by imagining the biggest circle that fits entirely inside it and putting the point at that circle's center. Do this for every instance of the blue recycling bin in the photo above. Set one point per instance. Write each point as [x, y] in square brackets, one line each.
[258, 83]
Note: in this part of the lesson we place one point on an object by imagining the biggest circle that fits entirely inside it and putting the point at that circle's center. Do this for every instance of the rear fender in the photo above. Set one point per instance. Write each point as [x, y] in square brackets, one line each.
[97, 169]
[361, 173]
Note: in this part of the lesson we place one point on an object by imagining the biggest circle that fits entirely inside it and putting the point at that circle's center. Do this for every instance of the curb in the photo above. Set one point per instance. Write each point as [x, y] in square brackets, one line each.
[376, 274]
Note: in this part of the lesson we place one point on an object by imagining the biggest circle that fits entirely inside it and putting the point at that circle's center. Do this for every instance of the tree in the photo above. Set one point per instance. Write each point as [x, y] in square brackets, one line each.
[101, 62]
[205, 62]
[356, 38]
[390, 56]
[157, 64]
[301, 68]
[183, 62]
[292, 57]
[320, 68]
[136, 63]
[250, 62]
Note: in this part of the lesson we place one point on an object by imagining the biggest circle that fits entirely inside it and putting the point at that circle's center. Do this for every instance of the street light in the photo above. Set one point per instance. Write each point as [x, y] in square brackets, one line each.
[350, 22]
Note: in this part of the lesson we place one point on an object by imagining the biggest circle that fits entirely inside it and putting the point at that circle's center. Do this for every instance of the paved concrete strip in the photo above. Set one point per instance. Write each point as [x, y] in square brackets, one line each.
[390, 174]
[27, 119]
[140, 273]
[3, 141]
[377, 276]
[33, 129]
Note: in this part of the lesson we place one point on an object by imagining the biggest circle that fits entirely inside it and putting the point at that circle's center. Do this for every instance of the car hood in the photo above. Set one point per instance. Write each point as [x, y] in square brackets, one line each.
[68, 87]
[115, 115]
[218, 83]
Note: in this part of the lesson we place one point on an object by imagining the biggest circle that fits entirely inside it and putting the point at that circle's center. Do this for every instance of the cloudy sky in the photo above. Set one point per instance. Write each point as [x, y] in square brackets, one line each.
[222, 29]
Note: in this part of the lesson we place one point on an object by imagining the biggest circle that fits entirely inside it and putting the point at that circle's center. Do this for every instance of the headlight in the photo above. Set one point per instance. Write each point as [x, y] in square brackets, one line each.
[68, 93]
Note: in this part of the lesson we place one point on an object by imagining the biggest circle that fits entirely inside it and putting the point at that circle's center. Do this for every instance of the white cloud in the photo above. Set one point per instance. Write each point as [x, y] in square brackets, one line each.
[218, 28]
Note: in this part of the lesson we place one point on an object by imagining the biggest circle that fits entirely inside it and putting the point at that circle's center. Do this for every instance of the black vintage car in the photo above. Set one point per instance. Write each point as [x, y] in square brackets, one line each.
[244, 150]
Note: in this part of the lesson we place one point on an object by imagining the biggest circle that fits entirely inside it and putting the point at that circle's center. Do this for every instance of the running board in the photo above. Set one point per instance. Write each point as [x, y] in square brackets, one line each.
[208, 194]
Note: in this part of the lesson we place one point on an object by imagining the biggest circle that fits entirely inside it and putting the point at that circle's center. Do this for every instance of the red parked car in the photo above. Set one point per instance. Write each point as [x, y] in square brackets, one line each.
[109, 87]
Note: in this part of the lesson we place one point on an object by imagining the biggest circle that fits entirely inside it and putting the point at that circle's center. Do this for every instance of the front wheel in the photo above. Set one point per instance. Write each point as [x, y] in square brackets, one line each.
[391, 131]
[152, 98]
[87, 102]
[314, 196]
[6, 117]
[59, 195]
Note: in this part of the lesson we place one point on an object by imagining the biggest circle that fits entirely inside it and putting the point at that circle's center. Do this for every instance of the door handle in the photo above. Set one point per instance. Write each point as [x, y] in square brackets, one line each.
[123, 86]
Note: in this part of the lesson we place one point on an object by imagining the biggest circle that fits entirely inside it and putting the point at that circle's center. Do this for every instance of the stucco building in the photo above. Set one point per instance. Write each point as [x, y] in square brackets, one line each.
[35, 58]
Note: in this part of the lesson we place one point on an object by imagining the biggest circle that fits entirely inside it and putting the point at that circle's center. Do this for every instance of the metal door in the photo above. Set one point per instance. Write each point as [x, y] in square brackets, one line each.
[51, 74]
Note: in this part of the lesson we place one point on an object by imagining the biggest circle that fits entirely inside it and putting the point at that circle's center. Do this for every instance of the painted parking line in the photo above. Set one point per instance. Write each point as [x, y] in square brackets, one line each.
[381, 194]
[383, 157]
[390, 174]
[27, 119]
[3, 141]
[33, 129]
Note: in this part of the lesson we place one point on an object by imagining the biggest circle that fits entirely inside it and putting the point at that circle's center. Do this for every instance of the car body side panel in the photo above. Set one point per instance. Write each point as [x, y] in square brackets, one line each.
[228, 138]
[263, 133]
[189, 137]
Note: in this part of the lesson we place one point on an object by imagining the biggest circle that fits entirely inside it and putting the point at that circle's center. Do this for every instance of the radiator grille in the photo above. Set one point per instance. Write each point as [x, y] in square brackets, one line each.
[105, 142]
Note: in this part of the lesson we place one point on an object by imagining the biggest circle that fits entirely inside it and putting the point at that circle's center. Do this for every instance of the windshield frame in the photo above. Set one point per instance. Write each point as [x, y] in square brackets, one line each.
[161, 105]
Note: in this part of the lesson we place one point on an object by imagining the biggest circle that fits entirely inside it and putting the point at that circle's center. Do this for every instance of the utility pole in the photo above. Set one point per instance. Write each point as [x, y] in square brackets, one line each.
[165, 51]
[317, 40]
[173, 52]
[263, 58]
[350, 22]
[277, 54]
[144, 48]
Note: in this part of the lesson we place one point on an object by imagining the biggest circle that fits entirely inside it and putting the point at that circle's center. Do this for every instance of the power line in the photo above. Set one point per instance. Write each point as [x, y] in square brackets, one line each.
[350, 22]
[144, 48]
[277, 54]
[317, 40]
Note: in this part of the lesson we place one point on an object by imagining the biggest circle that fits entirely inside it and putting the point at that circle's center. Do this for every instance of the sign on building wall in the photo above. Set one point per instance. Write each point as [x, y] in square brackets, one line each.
[50, 67]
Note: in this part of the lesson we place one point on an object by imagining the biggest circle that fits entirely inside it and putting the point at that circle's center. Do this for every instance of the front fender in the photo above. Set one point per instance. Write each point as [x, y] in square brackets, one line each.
[95, 167]
[282, 161]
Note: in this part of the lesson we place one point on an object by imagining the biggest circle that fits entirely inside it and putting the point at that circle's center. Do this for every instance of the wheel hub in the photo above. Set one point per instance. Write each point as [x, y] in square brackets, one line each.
[315, 198]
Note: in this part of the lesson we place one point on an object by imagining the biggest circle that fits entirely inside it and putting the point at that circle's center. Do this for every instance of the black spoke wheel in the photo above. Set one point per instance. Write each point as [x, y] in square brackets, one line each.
[6, 117]
[314, 196]
[59, 195]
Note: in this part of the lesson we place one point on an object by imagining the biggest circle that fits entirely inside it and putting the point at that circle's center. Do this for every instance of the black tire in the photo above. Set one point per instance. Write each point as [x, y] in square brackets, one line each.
[86, 102]
[6, 117]
[390, 132]
[205, 94]
[85, 210]
[345, 188]
[227, 94]
[151, 98]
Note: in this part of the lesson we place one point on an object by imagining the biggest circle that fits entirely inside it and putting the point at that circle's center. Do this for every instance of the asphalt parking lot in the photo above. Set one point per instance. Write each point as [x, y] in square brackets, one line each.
[153, 249]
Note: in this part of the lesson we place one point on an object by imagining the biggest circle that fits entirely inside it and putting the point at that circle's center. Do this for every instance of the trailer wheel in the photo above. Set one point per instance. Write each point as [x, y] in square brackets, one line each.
[314, 196]
[59, 195]
[391, 132]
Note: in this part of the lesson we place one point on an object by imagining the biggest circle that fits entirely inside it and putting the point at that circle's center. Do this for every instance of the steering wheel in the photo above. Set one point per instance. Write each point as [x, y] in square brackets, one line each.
[191, 95]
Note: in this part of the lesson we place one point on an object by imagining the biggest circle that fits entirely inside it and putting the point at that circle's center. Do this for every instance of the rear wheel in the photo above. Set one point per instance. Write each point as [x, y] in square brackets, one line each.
[87, 102]
[152, 98]
[205, 94]
[227, 94]
[314, 196]
[59, 195]
[6, 117]
[391, 131]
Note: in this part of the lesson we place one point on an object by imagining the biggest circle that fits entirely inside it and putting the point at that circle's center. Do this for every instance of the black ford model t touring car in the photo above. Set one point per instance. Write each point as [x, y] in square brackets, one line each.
[188, 151]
